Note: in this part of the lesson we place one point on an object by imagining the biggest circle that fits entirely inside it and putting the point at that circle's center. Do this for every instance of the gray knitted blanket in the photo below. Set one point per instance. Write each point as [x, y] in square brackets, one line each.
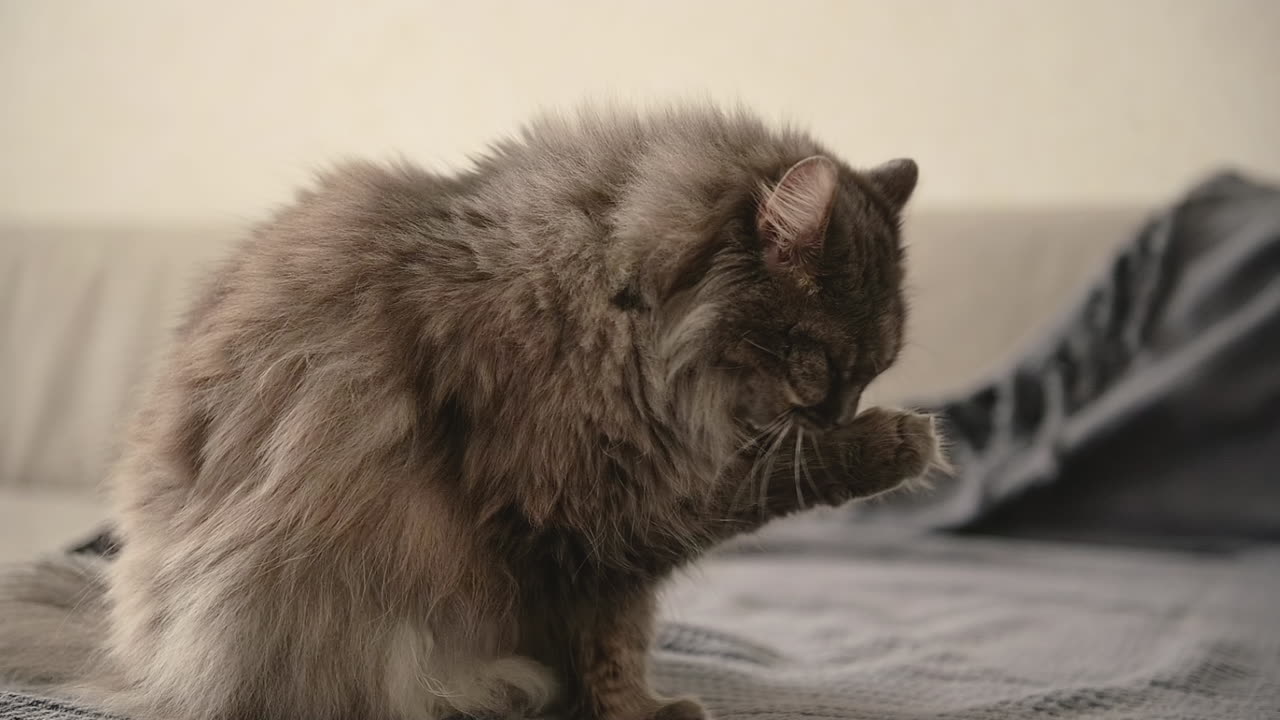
[980, 629]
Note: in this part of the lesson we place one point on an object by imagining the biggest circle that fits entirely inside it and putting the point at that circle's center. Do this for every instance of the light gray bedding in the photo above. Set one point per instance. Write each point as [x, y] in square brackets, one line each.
[809, 627]
[982, 629]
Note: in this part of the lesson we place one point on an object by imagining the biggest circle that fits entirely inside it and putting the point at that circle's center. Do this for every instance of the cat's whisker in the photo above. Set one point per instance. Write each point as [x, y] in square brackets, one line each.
[760, 439]
[771, 456]
[762, 348]
[766, 435]
[817, 452]
[749, 477]
[773, 424]
[804, 466]
[795, 466]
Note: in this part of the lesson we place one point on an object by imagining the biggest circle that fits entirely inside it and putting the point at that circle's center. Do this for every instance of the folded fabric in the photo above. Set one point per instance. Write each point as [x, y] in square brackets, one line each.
[959, 628]
[1150, 410]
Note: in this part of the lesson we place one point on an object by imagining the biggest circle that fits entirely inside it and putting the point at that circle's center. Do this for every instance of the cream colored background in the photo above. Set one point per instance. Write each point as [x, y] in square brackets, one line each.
[138, 136]
[163, 109]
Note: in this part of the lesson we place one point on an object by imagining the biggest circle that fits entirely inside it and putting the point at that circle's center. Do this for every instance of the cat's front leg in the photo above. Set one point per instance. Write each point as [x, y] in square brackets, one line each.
[879, 451]
[610, 663]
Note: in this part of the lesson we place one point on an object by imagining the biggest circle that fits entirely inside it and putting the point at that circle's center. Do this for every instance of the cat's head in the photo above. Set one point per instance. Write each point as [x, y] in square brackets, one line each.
[800, 300]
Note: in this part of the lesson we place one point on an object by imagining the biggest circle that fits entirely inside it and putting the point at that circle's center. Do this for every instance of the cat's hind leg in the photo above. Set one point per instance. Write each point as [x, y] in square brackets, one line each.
[423, 683]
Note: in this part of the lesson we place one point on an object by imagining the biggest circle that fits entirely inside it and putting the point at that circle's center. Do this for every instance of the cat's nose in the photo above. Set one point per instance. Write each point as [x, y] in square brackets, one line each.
[836, 410]
[819, 416]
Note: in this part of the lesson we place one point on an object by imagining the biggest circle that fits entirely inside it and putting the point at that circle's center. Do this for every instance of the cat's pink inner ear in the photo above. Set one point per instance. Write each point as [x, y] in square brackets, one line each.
[793, 218]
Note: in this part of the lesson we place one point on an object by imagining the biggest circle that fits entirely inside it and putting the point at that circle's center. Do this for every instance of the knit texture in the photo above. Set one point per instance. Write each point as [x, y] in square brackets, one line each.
[806, 628]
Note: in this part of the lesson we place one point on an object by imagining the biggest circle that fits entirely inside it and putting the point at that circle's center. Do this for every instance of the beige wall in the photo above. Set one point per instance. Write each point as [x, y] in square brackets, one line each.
[168, 109]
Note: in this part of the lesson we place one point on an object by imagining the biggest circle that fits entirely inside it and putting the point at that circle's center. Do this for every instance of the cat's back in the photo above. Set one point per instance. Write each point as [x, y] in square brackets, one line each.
[566, 180]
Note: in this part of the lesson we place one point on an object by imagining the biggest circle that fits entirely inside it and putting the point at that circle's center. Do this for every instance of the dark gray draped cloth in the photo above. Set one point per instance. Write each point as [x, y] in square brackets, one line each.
[1150, 411]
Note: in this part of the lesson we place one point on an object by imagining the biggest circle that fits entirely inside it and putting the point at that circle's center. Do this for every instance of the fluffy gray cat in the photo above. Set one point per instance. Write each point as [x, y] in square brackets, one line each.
[428, 444]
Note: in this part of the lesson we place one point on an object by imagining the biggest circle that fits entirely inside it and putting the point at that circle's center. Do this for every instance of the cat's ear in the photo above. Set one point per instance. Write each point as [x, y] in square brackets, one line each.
[896, 180]
[793, 216]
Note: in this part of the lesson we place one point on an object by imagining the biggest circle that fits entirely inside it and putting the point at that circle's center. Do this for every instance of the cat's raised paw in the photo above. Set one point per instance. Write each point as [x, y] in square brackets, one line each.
[920, 444]
[890, 447]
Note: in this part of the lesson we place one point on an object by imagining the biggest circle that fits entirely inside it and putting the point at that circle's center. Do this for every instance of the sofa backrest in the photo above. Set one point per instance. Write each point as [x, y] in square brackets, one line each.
[85, 313]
